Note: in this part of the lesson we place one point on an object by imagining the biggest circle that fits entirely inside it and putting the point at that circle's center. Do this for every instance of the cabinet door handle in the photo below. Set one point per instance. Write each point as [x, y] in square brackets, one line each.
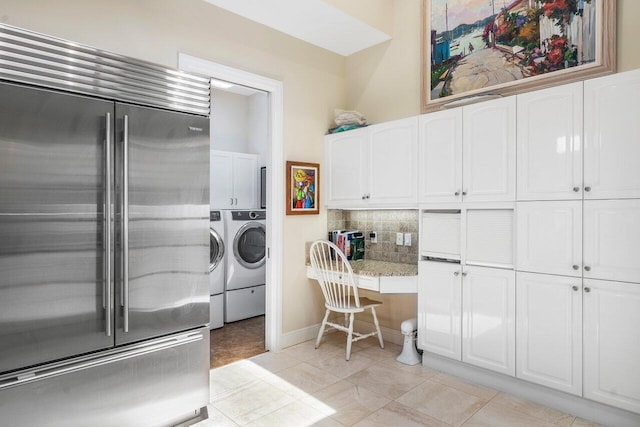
[587, 290]
[231, 201]
[236, 200]
[575, 267]
[456, 273]
[464, 193]
[587, 189]
[364, 196]
[457, 193]
[576, 189]
[464, 274]
[574, 287]
[587, 268]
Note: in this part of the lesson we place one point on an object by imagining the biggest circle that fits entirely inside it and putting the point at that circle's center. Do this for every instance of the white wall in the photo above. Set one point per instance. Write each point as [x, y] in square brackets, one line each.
[258, 131]
[229, 122]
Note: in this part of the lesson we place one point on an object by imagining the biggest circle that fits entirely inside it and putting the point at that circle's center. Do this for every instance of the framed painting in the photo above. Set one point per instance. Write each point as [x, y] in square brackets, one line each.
[472, 49]
[303, 188]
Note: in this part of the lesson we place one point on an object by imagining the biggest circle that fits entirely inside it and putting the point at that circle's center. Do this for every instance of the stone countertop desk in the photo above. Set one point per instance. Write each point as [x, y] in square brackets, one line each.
[383, 268]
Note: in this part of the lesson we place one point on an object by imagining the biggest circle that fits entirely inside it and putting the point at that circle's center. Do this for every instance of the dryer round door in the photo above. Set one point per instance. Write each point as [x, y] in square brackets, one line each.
[216, 249]
[249, 245]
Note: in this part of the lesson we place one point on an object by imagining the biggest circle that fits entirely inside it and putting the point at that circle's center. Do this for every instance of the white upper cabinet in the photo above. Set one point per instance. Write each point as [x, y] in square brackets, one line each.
[234, 180]
[549, 237]
[346, 155]
[468, 153]
[489, 151]
[439, 308]
[488, 318]
[393, 163]
[376, 166]
[612, 131]
[611, 345]
[441, 156]
[549, 144]
[549, 331]
[612, 240]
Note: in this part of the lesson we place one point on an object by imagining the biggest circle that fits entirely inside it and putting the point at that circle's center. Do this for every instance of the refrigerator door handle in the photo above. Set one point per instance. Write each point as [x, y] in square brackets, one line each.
[107, 226]
[125, 225]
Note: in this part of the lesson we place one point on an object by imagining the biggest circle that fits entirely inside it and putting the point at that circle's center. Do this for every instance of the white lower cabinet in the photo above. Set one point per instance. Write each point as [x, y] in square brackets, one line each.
[612, 343]
[549, 237]
[612, 240]
[468, 313]
[549, 331]
[488, 318]
[439, 308]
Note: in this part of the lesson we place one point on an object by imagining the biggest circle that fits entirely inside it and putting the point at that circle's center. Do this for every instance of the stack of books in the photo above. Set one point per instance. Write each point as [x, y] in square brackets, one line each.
[351, 243]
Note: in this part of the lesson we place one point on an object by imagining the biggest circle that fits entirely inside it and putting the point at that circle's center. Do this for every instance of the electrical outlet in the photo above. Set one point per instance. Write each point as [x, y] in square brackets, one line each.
[373, 236]
[407, 239]
[399, 239]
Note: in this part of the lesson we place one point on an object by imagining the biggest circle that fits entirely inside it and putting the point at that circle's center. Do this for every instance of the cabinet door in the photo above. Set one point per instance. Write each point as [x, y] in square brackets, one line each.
[549, 237]
[441, 156]
[393, 163]
[611, 137]
[439, 308]
[221, 185]
[549, 144]
[489, 151]
[345, 159]
[612, 240]
[488, 318]
[611, 345]
[245, 181]
[549, 331]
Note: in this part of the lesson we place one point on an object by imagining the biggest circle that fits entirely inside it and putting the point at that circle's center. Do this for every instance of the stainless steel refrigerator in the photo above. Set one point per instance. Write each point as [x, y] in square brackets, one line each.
[104, 237]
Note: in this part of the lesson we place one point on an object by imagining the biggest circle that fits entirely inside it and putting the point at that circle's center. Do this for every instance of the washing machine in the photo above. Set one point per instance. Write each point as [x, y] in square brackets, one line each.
[217, 253]
[245, 235]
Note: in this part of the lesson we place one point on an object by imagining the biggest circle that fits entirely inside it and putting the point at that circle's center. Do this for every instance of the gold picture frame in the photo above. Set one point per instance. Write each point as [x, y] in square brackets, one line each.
[474, 49]
[303, 188]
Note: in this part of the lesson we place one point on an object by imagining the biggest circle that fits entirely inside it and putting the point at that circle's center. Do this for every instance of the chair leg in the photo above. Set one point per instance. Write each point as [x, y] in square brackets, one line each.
[321, 331]
[349, 336]
[375, 320]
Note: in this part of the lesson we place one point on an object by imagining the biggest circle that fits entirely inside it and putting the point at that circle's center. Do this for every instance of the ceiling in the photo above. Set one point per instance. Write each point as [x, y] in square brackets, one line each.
[312, 21]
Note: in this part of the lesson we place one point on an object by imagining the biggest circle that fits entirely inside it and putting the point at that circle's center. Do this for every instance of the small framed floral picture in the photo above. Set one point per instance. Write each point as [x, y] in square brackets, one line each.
[477, 48]
[303, 191]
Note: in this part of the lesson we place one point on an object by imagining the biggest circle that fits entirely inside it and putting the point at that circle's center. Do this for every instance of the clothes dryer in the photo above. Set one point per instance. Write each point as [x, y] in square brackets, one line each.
[245, 264]
[217, 253]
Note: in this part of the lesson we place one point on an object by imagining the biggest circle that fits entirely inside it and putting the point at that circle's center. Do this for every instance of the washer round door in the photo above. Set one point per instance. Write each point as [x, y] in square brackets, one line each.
[249, 245]
[216, 249]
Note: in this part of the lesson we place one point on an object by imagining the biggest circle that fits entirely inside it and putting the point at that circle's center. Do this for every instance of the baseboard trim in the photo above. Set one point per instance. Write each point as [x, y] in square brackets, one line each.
[574, 405]
[298, 336]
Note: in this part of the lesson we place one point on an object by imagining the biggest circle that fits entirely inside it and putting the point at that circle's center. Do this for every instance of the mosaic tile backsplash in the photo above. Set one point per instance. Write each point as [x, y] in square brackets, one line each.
[386, 223]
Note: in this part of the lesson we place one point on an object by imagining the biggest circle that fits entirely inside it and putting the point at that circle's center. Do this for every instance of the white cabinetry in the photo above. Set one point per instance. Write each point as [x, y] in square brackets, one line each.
[345, 158]
[612, 128]
[611, 344]
[467, 314]
[441, 156]
[549, 237]
[489, 151]
[549, 331]
[373, 167]
[488, 318]
[468, 153]
[612, 240]
[549, 144]
[440, 308]
[234, 180]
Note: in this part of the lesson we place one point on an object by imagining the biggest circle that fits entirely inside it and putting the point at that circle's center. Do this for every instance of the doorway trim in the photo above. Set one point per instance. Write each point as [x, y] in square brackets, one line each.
[275, 181]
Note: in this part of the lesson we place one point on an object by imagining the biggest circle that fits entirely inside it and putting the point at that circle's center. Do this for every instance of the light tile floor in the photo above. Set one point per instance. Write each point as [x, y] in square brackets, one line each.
[302, 386]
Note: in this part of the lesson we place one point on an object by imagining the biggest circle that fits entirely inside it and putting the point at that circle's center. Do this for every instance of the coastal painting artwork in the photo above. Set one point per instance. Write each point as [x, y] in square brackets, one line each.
[302, 188]
[496, 47]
